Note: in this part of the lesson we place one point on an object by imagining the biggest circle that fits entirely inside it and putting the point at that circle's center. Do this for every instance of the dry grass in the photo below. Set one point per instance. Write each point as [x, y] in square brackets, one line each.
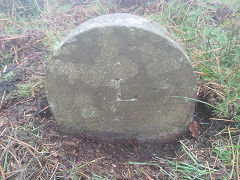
[32, 148]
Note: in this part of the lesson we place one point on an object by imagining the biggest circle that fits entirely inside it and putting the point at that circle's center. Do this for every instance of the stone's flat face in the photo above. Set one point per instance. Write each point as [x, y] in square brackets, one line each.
[115, 78]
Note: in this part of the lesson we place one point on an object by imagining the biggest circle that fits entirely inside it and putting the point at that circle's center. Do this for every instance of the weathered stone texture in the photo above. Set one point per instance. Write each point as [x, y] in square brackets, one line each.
[114, 78]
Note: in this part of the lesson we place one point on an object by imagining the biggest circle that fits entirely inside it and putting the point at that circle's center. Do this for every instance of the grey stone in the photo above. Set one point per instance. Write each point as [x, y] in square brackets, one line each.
[116, 77]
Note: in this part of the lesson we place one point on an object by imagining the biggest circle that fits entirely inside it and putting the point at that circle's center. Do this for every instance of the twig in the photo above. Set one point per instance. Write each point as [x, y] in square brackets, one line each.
[34, 157]
[2, 99]
[2, 173]
[217, 119]
[80, 172]
[172, 21]
[129, 174]
[54, 171]
[189, 151]
[148, 177]
[15, 158]
[23, 101]
[40, 173]
[16, 55]
[3, 132]
[13, 173]
[219, 85]
[24, 144]
[4, 69]
[215, 162]
[43, 109]
[209, 171]
[14, 37]
[212, 50]
[214, 90]
[218, 64]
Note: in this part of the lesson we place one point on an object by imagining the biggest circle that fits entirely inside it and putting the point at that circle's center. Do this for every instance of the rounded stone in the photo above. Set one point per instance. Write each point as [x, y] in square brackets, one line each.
[119, 77]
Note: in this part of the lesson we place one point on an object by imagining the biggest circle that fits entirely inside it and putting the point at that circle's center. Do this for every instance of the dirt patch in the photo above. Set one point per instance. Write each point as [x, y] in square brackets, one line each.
[31, 122]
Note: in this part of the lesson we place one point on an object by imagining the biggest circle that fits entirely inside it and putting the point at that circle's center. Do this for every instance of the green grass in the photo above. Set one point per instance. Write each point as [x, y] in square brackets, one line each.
[213, 49]
[29, 7]
[7, 59]
[228, 153]
[97, 177]
[137, 164]
[5, 163]
[8, 76]
[192, 170]
[52, 41]
[75, 171]
[27, 89]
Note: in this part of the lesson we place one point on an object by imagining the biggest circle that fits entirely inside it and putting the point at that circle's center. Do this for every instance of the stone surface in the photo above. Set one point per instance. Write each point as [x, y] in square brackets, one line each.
[115, 78]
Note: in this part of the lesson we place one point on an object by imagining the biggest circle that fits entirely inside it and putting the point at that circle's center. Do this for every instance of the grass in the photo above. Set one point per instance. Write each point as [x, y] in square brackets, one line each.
[28, 89]
[210, 34]
[5, 163]
[215, 53]
[138, 171]
[195, 170]
[8, 76]
[213, 50]
[229, 155]
[185, 169]
[75, 171]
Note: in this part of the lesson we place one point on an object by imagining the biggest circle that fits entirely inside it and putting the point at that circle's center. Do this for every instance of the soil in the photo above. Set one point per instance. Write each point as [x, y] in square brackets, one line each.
[70, 152]
[29, 132]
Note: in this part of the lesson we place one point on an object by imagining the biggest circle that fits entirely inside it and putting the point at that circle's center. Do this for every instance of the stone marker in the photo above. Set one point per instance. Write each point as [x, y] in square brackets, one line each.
[116, 77]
